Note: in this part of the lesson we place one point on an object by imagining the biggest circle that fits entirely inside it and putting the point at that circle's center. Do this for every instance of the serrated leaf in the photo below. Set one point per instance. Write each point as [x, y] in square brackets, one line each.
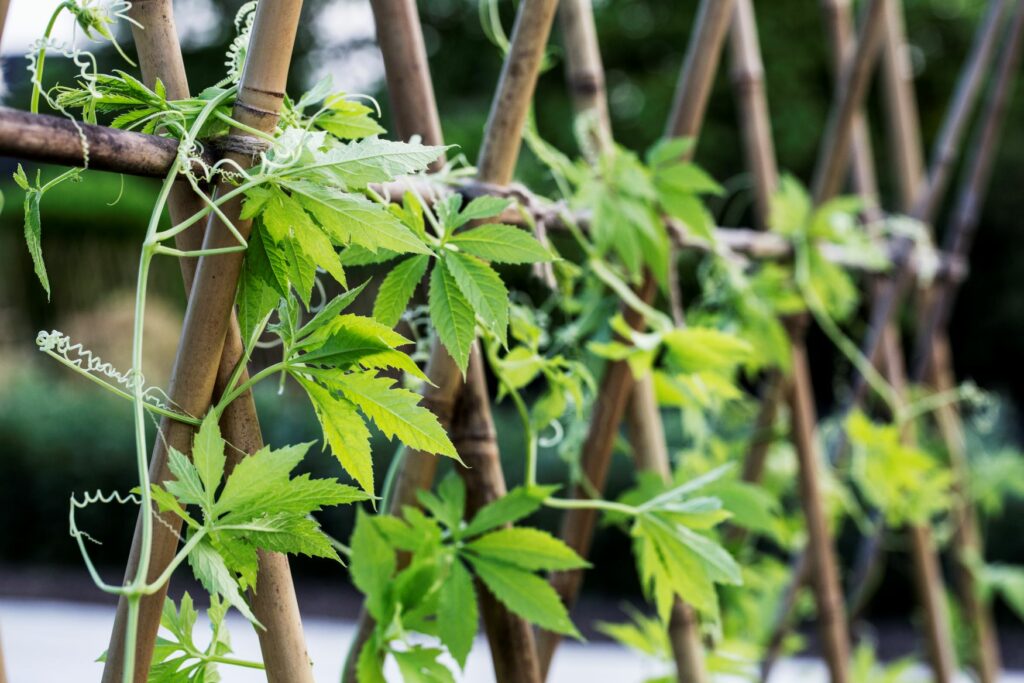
[525, 594]
[396, 412]
[186, 485]
[529, 549]
[349, 123]
[345, 432]
[259, 291]
[419, 664]
[502, 244]
[210, 570]
[518, 503]
[208, 456]
[457, 612]
[351, 218]
[481, 207]
[452, 315]
[373, 564]
[372, 160]
[33, 237]
[353, 341]
[328, 313]
[484, 290]
[397, 289]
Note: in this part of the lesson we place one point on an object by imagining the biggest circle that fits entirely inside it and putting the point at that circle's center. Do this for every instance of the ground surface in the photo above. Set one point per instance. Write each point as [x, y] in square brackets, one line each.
[48, 641]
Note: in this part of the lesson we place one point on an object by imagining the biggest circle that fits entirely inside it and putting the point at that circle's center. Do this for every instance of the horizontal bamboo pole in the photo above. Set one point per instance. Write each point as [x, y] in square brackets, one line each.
[58, 140]
[196, 368]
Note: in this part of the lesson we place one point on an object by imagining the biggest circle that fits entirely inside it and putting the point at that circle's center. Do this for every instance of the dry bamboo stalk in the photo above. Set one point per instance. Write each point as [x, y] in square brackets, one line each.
[928, 579]
[618, 383]
[834, 152]
[799, 391]
[210, 330]
[4, 6]
[513, 650]
[3, 668]
[414, 112]
[823, 570]
[58, 140]
[903, 119]
[646, 430]
[699, 68]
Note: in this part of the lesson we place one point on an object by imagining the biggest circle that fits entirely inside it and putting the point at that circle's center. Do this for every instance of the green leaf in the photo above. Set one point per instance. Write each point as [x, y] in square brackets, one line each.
[525, 594]
[210, 570]
[529, 549]
[352, 341]
[419, 664]
[372, 160]
[258, 289]
[790, 208]
[353, 219]
[449, 505]
[396, 412]
[330, 312]
[481, 207]
[452, 315]
[502, 244]
[373, 564]
[33, 237]
[484, 290]
[397, 289]
[370, 665]
[704, 349]
[457, 612]
[348, 120]
[186, 485]
[345, 432]
[208, 455]
[518, 503]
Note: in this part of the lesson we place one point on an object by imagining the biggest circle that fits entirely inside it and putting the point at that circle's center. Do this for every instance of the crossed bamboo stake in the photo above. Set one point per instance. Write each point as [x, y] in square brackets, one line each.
[210, 334]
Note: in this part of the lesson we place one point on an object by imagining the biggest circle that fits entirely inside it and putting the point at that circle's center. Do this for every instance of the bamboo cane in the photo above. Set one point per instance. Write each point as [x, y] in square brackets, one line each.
[748, 74]
[585, 75]
[959, 237]
[209, 337]
[513, 649]
[618, 383]
[414, 112]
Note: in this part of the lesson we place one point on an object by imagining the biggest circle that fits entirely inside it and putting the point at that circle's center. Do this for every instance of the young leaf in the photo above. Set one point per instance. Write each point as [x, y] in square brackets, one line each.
[208, 455]
[330, 312]
[397, 288]
[481, 207]
[452, 315]
[515, 505]
[419, 664]
[502, 244]
[396, 412]
[210, 570]
[484, 290]
[259, 290]
[373, 564]
[33, 237]
[457, 612]
[345, 432]
[525, 594]
[529, 549]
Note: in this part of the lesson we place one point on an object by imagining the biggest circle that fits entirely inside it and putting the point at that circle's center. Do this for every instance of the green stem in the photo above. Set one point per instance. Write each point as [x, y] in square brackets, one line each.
[231, 395]
[37, 82]
[153, 408]
[591, 504]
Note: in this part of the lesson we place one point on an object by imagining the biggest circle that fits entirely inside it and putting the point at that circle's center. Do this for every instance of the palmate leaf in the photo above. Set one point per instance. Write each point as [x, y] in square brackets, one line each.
[515, 505]
[481, 207]
[452, 315]
[259, 289]
[484, 290]
[397, 289]
[373, 564]
[525, 594]
[353, 341]
[502, 244]
[419, 664]
[208, 456]
[348, 120]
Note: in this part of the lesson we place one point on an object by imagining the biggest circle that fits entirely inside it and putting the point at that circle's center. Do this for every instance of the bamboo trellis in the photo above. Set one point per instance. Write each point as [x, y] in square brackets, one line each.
[211, 346]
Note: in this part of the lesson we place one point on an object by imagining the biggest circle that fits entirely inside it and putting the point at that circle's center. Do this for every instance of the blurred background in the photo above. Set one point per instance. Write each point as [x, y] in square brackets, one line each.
[58, 434]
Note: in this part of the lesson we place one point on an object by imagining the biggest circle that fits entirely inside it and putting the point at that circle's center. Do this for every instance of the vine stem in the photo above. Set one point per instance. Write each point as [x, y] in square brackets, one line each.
[591, 504]
[37, 81]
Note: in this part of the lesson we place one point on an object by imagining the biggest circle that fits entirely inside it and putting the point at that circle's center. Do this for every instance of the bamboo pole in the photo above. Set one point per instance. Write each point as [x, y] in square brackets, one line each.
[413, 112]
[209, 340]
[931, 336]
[617, 383]
[513, 649]
[646, 430]
[822, 567]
